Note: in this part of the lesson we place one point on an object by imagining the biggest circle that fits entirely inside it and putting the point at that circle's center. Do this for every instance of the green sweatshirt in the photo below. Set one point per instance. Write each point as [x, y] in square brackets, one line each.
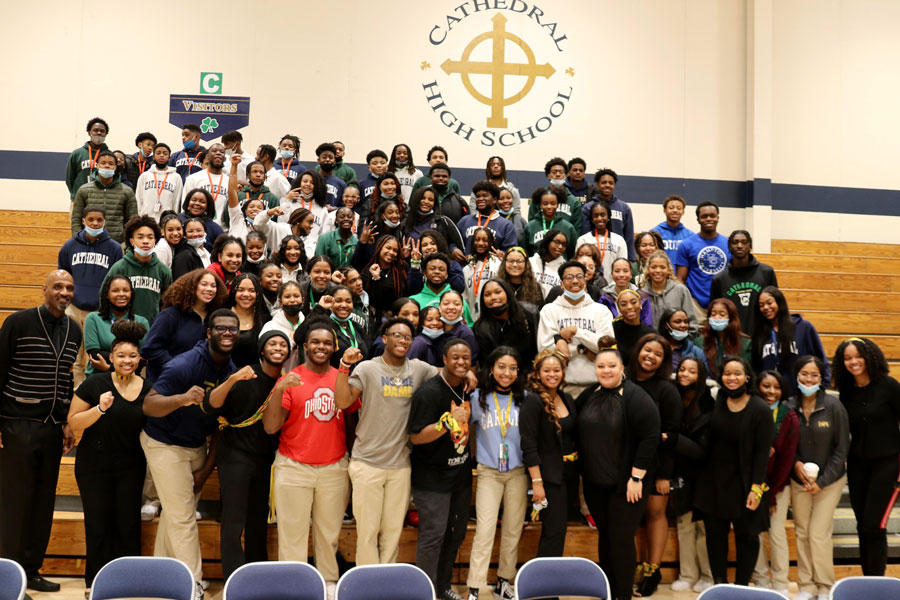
[534, 233]
[428, 298]
[342, 170]
[98, 335]
[148, 279]
[116, 199]
[268, 197]
[331, 245]
[571, 211]
[79, 167]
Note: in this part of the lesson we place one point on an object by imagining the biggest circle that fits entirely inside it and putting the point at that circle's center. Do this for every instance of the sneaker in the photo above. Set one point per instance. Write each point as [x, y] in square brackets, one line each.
[198, 591]
[205, 584]
[681, 585]
[786, 592]
[701, 586]
[473, 594]
[150, 510]
[822, 597]
[87, 593]
[450, 594]
[504, 591]
[803, 596]
[330, 587]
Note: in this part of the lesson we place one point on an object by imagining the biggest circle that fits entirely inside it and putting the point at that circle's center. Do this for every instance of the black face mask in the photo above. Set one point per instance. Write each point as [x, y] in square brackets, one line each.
[498, 310]
[439, 188]
[291, 310]
[735, 393]
[162, 166]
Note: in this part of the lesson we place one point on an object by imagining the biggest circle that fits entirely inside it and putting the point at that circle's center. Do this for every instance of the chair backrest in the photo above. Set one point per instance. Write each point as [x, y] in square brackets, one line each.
[727, 591]
[565, 576]
[385, 582]
[282, 580]
[870, 588]
[12, 580]
[144, 577]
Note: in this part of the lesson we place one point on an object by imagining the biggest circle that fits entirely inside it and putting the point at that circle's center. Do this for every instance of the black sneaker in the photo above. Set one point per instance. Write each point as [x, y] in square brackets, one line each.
[450, 594]
[504, 591]
[198, 591]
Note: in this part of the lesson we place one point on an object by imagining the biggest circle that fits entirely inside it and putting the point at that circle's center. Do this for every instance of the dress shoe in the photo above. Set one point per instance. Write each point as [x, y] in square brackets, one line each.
[38, 583]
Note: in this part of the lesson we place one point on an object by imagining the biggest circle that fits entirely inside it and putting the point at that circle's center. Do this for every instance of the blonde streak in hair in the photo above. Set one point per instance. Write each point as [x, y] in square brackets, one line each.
[662, 254]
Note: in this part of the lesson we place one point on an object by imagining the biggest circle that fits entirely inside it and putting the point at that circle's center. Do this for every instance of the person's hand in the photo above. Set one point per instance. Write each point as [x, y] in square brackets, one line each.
[290, 380]
[337, 277]
[99, 363]
[243, 374]
[277, 211]
[814, 488]
[752, 501]
[326, 302]
[375, 271]
[498, 253]
[68, 439]
[406, 251]
[568, 333]
[458, 256]
[471, 382]
[194, 396]
[562, 346]
[365, 235]
[235, 161]
[458, 412]
[105, 401]
[537, 491]
[352, 356]
[663, 486]
[200, 477]
[634, 490]
[293, 194]
[771, 452]
[416, 250]
[801, 475]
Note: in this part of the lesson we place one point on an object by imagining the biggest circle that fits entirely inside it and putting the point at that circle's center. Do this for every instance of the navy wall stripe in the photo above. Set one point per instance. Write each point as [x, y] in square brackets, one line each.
[635, 189]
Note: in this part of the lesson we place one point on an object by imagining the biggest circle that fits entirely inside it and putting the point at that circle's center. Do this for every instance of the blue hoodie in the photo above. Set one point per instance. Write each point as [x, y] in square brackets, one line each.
[621, 221]
[672, 237]
[88, 263]
[806, 341]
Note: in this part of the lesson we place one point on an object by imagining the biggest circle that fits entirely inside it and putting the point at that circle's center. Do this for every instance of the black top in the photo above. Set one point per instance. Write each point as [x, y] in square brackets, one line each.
[874, 412]
[542, 444]
[439, 466]
[617, 429]
[627, 336]
[184, 260]
[689, 450]
[112, 444]
[668, 401]
[241, 403]
[245, 350]
[491, 332]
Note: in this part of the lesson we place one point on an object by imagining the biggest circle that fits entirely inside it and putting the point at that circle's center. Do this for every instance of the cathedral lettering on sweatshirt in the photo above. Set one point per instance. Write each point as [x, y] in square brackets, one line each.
[90, 258]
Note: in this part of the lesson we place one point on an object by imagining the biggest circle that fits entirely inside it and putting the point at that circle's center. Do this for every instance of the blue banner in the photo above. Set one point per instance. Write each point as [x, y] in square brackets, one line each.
[215, 115]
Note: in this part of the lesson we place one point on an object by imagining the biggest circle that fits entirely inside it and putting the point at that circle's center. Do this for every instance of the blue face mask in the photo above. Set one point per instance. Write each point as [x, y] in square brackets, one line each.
[775, 406]
[808, 390]
[574, 296]
[678, 336]
[453, 322]
[196, 242]
[718, 324]
[425, 214]
[557, 183]
[390, 224]
[189, 145]
[145, 154]
[505, 213]
[432, 333]
[340, 319]
[144, 253]
[92, 232]
[286, 154]
[106, 173]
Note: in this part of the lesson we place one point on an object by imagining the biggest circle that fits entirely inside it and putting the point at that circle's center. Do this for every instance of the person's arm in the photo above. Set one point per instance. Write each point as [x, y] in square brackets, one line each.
[764, 431]
[785, 451]
[681, 274]
[131, 209]
[157, 344]
[72, 168]
[345, 394]
[834, 468]
[217, 395]
[644, 421]
[275, 414]
[158, 405]
[77, 209]
[82, 415]
[628, 233]
[203, 473]
[687, 305]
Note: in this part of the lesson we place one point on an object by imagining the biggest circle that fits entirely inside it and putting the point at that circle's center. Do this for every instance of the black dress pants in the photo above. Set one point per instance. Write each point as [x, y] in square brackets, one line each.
[746, 541]
[29, 469]
[244, 480]
[112, 514]
[872, 483]
[554, 520]
[443, 517]
[617, 522]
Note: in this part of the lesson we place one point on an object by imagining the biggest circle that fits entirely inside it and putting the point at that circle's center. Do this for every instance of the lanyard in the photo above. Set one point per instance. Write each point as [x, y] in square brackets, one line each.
[544, 221]
[352, 336]
[93, 159]
[488, 220]
[218, 187]
[312, 302]
[476, 281]
[346, 251]
[159, 188]
[141, 163]
[286, 169]
[503, 421]
[605, 244]
[258, 197]
[191, 161]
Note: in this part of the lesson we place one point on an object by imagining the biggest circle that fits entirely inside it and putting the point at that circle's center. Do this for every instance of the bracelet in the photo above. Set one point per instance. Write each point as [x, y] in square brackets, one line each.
[100, 410]
[343, 365]
[759, 490]
[344, 371]
[538, 480]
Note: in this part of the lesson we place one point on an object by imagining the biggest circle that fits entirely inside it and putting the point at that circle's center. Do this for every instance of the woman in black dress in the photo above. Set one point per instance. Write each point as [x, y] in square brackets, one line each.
[247, 301]
[732, 486]
[110, 464]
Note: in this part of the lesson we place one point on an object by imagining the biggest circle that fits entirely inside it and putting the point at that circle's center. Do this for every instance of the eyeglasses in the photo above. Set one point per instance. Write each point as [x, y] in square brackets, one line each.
[515, 261]
[507, 369]
[223, 329]
[578, 277]
[558, 242]
[400, 337]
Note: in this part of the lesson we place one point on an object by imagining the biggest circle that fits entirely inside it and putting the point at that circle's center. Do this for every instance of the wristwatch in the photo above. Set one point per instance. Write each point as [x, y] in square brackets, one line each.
[636, 479]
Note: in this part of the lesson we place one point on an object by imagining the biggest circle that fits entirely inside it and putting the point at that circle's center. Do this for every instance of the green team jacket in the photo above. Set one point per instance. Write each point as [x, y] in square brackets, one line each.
[534, 233]
[572, 211]
[78, 169]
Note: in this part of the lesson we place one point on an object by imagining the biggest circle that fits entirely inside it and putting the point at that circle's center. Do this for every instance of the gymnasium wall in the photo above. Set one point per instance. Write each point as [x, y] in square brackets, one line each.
[781, 111]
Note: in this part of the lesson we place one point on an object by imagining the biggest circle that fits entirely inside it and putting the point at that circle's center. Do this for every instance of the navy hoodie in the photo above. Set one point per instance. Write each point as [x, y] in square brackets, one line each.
[620, 221]
[185, 161]
[806, 341]
[88, 263]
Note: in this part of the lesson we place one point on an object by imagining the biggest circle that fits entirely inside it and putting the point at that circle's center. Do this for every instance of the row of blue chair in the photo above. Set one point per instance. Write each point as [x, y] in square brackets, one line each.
[152, 577]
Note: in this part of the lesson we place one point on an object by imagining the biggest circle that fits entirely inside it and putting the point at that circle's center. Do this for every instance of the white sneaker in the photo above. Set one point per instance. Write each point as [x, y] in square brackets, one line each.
[681, 585]
[701, 586]
[823, 597]
[803, 596]
[198, 591]
[784, 592]
[197, 515]
[330, 587]
[150, 510]
[204, 584]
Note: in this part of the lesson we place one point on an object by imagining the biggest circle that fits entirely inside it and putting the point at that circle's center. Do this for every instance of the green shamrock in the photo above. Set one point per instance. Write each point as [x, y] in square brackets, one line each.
[208, 125]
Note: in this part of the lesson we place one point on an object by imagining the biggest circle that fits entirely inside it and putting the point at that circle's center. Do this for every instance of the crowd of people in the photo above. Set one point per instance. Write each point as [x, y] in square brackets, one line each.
[333, 343]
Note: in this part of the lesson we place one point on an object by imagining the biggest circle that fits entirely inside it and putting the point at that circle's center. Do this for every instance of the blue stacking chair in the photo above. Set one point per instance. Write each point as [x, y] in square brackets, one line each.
[565, 576]
[144, 577]
[868, 588]
[276, 580]
[727, 591]
[12, 580]
[385, 582]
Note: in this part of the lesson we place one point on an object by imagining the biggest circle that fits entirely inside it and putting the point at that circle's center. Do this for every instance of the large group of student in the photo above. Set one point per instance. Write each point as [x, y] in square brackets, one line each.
[332, 342]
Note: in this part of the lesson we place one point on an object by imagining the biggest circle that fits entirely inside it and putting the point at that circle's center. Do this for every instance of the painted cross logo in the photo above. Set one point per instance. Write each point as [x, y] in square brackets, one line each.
[745, 297]
[498, 69]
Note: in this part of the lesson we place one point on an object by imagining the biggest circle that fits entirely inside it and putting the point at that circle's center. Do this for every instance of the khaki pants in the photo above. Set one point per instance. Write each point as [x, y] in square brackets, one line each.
[81, 360]
[814, 525]
[495, 488]
[173, 467]
[301, 491]
[779, 559]
[693, 559]
[380, 500]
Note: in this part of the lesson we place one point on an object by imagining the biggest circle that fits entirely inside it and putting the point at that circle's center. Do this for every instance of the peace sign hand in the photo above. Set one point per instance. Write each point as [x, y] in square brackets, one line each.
[366, 236]
[293, 194]
[407, 248]
[498, 253]
[416, 250]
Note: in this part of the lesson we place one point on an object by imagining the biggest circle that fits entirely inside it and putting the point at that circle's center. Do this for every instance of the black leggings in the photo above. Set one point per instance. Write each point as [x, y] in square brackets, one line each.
[617, 521]
[872, 483]
[746, 541]
[554, 521]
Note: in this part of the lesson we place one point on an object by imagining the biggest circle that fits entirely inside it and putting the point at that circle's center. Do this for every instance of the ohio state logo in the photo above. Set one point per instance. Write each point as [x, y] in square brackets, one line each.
[321, 405]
